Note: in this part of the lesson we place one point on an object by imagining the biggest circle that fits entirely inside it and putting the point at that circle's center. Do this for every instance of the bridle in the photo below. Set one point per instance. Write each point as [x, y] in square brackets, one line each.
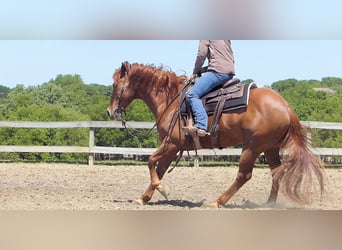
[120, 110]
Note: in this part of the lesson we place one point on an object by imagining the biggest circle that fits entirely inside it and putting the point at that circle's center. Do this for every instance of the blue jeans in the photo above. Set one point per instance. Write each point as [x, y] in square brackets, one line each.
[203, 85]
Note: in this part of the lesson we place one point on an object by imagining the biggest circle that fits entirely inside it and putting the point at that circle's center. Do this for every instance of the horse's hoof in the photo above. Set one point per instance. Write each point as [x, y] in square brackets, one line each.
[207, 204]
[139, 201]
[270, 204]
[163, 190]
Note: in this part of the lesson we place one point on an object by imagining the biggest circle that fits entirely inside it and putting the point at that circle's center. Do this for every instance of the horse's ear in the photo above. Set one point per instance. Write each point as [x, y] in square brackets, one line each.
[124, 69]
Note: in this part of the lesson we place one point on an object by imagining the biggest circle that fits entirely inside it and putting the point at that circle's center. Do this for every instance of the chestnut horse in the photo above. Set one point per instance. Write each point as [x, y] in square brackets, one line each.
[268, 125]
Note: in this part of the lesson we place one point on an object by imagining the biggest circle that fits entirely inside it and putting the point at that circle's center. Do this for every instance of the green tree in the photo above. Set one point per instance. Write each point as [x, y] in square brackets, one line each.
[312, 102]
[4, 91]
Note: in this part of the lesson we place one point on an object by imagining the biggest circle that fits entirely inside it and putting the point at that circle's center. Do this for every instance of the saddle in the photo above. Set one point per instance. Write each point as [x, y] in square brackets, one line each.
[231, 96]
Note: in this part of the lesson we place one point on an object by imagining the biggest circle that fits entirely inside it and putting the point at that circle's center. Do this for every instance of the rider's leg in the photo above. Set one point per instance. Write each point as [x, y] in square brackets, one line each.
[207, 82]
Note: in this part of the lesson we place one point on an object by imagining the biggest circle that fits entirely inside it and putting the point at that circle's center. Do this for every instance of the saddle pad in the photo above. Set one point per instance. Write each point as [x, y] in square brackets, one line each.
[235, 96]
[235, 99]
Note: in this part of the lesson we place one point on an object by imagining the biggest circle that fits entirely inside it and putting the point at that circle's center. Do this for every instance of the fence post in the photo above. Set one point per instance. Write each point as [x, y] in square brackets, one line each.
[91, 145]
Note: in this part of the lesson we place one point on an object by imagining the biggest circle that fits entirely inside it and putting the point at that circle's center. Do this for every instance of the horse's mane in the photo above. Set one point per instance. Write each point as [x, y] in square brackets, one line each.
[154, 78]
[154, 75]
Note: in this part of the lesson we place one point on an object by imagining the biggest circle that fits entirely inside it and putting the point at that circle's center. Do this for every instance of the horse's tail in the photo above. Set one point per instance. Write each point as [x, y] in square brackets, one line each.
[296, 174]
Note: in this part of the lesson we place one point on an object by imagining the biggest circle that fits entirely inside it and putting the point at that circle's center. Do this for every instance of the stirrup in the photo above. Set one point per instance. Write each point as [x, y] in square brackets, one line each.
[193, 131]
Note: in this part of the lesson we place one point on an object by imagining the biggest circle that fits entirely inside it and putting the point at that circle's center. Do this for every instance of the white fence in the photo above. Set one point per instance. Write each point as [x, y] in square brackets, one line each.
[92, 149]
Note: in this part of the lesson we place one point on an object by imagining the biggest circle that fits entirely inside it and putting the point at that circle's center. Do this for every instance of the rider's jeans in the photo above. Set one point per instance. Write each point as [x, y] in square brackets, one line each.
[207, 82]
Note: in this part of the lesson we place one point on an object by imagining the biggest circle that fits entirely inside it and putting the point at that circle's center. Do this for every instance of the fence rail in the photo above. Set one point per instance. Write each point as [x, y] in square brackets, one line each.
[92, 149]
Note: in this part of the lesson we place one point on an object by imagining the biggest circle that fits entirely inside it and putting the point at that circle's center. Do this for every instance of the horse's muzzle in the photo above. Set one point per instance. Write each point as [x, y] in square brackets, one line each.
[114, 115]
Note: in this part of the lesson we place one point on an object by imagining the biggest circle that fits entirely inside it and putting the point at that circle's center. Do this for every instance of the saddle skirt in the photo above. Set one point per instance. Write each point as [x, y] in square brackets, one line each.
[233, 95]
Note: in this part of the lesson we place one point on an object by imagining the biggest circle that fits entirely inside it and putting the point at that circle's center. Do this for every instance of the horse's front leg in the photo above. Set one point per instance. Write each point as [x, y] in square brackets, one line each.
[162, 158]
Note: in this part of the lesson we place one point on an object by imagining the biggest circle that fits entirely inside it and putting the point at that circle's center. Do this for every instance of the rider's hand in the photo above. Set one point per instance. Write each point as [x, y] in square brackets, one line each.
[192, 78]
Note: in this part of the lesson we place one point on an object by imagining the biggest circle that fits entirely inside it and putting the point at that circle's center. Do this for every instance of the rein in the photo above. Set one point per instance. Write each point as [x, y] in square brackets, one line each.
[136, 131]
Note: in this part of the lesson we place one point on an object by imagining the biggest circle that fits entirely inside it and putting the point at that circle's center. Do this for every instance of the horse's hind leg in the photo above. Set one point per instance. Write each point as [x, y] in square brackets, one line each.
[246, 165]
[273, 160]
[164, 156]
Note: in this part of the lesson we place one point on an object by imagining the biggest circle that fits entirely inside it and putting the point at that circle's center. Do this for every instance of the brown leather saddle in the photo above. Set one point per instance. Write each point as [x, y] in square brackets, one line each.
[233, 95]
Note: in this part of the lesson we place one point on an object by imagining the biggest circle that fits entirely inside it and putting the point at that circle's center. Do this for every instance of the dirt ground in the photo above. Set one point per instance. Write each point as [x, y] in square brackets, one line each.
[25, 186]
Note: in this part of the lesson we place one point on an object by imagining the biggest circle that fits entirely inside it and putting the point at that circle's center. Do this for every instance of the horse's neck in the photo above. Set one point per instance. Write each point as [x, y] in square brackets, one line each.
[157, 88]
[159, 101]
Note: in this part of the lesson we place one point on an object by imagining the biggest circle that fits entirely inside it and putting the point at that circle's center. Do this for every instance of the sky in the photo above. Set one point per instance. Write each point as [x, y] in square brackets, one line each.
[171, 19]
[34, 62]
[271, 40]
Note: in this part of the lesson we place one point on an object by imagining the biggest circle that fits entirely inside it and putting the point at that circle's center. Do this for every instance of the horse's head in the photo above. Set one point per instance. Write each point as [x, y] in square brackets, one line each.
[122, 94]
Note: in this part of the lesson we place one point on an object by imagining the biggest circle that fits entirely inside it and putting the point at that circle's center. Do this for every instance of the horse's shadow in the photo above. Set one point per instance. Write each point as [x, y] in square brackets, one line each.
[245, 205]
[174, 203]
[203, 204]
